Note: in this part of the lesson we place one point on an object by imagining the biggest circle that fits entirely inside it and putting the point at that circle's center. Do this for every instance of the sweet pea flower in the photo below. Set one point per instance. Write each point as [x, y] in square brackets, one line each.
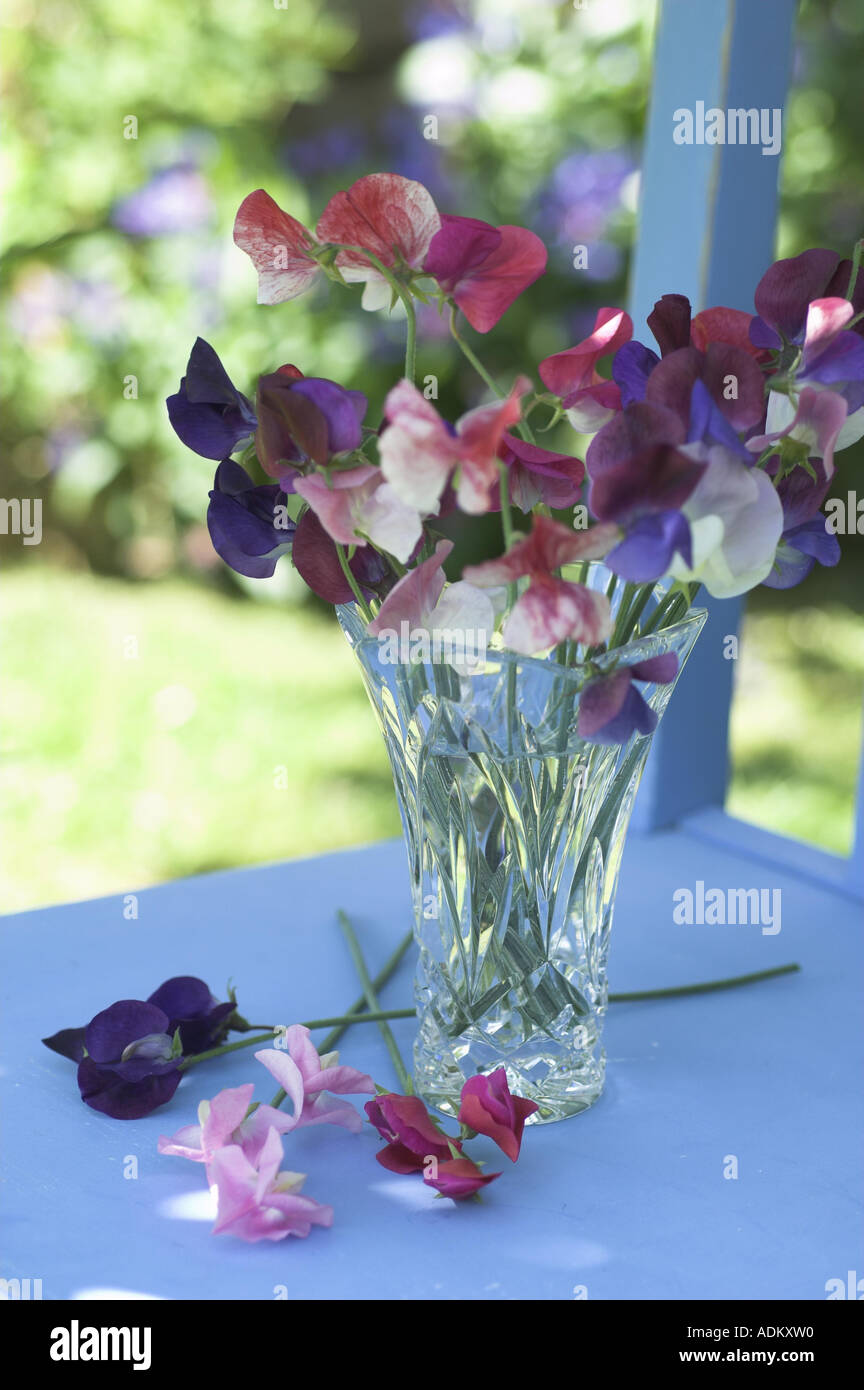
[643, 492]
[805, 538]
[256, 1201]
[356, 505]
[551, 609]
[419, 451]
[223, 1121]
[788, 288]
[420, 601]
[304, 420]
[201, 1018]
[128, 1065]
[483, 268]
[457, 1178]
[307, 1078]
[832, 356]
[674, 326]
[736, 521]
[279, 247]
[412, 1136]
[248, 523]
[816, 424]
[588, 398]
[488, 1107]
[393, 217]
[537, 475]
[671, 383]
[316, 559]
[208, 413]
[611, 709]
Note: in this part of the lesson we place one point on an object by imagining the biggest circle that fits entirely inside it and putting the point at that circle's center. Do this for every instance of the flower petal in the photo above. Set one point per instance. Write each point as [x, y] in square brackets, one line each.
[277, 244]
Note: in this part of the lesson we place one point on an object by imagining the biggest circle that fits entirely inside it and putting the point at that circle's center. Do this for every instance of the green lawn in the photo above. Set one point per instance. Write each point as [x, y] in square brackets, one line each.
[240, 733]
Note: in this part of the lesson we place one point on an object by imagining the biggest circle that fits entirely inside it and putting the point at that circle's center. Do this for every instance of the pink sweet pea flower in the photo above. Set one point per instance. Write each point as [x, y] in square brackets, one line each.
[551, 609]
[484, 268]
[305, 1077]
[418, 452]
[817, 422]
[256, 1201]
[420, 601]
[588, 398]
[356, 504]
[720, 325]
[393, 217]
[223, 1121]
[412, 1135]
[458, 1178]
[489, 1108]
[279, 247]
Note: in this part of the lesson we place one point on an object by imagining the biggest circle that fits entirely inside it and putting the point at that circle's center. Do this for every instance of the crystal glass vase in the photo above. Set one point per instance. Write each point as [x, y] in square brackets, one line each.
[514, 828]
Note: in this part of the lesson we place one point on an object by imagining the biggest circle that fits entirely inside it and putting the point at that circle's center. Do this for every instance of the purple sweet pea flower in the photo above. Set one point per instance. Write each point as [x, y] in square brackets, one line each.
[631, 367]
[708, 424]
[316, 560]
[303, 419]
[611, 708]
[805, 539]
[208, 413]
[129, 1068]
[248, 524]
[644, 492]
[201, 1018]
[788, 288]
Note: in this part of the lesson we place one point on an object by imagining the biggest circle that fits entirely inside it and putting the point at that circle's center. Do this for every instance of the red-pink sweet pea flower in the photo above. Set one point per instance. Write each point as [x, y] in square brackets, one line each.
[393, 217]
[587, 397]
[484, 268]
[419, 451]
[537, 475]
[412, 1136]
[356, 505]
[306, 1078]
[256, 1201]
[225, 1120]
[458, 1178]
[279, 247]
[817, 422]
[551, 610]
[489, 1108]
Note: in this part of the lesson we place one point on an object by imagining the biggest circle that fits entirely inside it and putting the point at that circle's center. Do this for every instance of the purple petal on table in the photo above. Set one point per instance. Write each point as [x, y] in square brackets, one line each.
[111, 1031]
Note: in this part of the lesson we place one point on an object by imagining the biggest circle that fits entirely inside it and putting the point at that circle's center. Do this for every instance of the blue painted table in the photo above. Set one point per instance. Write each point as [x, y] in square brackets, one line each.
[628, 1200]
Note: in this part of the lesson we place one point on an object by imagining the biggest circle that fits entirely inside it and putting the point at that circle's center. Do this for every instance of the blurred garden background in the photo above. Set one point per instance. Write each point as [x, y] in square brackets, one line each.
[163, 717]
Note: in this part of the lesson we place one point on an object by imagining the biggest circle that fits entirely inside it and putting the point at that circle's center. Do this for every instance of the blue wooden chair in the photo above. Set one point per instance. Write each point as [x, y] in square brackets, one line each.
[706, 229]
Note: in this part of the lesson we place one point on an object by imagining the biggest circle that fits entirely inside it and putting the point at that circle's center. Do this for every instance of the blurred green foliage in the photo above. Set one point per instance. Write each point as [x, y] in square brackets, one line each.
[118, 253]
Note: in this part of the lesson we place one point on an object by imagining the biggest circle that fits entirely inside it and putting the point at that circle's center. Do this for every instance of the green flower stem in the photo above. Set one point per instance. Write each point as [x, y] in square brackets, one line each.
[355, 1015]
[470, 354]
[857, 251]
[372, 1001]
[355, 587]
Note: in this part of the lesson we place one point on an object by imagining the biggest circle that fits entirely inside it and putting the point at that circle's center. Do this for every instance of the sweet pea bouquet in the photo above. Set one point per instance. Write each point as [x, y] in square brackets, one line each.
[708, 463]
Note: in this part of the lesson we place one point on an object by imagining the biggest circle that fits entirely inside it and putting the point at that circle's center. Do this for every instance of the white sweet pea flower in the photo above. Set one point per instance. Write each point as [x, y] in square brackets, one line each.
[736, 521]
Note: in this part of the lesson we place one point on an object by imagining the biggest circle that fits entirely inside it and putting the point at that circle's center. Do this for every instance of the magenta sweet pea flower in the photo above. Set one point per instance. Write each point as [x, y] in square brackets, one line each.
[356, 504]
[258, 1202]
[611, 708]
[588, 398]
[307, 1079]
[279, 247]
[458, 1178]
[393, 217]
[551, 609]
[316, 560]
[484, 268]
[412, 1136]
[672, 380]
[488, 1107]
[419, 451]
[538, 475]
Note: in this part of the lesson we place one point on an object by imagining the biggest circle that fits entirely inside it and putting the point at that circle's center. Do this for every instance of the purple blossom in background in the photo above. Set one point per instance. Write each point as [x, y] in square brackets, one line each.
[436, 19]
[336, 148]
[584, 193]
[174, 200]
